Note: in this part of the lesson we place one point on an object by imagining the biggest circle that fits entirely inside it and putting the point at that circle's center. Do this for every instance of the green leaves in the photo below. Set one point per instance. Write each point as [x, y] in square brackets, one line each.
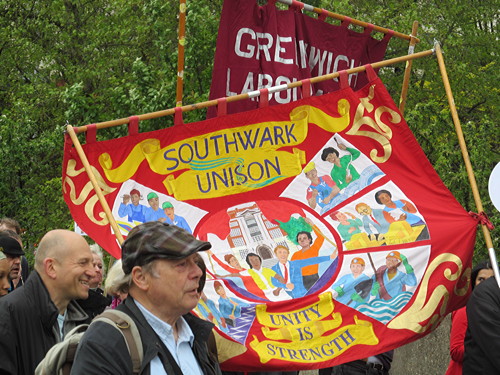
[98, 60]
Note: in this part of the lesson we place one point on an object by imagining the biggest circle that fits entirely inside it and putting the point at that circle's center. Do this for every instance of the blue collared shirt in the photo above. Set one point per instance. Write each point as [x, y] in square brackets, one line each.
[181, 350]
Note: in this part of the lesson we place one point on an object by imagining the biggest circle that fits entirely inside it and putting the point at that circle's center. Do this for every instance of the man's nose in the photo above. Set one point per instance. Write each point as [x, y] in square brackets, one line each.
[91, 271]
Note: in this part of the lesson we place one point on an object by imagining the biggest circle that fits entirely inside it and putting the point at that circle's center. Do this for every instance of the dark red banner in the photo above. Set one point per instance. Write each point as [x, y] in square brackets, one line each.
[262, 46]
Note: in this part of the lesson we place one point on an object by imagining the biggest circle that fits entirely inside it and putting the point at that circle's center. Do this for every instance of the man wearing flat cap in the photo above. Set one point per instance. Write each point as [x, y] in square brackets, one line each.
[161, 260]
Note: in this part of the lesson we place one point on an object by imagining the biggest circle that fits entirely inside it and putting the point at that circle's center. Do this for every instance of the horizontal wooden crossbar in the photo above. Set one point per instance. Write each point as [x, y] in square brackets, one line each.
[252, 94]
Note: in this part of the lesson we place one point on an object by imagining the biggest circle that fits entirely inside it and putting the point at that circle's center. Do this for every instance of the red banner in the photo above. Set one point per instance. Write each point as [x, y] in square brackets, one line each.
[262, 46]
[333, 237]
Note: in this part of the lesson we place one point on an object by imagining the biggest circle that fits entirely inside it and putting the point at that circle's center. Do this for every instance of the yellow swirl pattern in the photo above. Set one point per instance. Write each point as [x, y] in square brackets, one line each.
[382, 132]
[86, 191]
[424, 308]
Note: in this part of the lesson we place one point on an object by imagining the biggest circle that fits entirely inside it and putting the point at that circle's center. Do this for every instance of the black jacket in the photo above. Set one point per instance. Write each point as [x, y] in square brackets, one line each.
[103, 350]
[95, 304]
[482, 339]
[28, 326]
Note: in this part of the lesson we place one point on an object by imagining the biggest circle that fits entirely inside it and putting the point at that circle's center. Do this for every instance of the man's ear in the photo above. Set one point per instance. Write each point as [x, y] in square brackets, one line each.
[50, 267]
[140, 278]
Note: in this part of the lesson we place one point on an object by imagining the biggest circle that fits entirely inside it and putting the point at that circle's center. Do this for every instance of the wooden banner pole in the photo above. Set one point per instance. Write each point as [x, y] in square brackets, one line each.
[406, 78]
[93, 180]
[180, 53]
[465, 153]
[341, 17]
[253, 94]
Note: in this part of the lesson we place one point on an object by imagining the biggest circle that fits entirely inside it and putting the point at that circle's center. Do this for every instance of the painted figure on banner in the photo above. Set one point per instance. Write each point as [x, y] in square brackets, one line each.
[309, 249]
[347, 227]
[350, 169]
[402, 211]
[328, 184]
[154, 211]
[343, 172]
[134, 211]
[354, 288]
[322, 189]
[391, 288]
[291, 270]
[391, 281]
[233, 266]
[208, 310]
[173, 219]
[374, 221]
[266, 278]
[229, 307]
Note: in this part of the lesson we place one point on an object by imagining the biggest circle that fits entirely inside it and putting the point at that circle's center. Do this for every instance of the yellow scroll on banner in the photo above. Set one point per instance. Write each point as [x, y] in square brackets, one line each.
[236, 176]
[299, 335]
[228, 161]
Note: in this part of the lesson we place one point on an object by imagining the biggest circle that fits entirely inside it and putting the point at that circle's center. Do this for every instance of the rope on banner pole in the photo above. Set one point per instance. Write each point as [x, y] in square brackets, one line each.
[323, 13]
[406, 78]
[253, 94]
[70, 130]
[180, 53]
[465, 155]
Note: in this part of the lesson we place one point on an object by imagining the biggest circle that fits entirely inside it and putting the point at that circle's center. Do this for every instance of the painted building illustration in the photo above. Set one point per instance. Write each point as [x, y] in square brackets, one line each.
[252, 232]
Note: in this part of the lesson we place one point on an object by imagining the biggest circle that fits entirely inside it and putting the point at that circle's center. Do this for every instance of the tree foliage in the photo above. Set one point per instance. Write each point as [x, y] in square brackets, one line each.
[81, 62]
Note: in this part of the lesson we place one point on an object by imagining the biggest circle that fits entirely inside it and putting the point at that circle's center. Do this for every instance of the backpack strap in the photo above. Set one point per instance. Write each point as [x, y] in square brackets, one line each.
[71, 349]
[59, 359]
[126, 325]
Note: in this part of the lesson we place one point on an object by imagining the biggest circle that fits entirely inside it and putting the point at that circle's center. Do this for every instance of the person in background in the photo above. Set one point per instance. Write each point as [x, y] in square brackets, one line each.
[96, 302]
[482, 339]
[13, 251]
[481, 272]
[8, 224]
[17, 279]
[379, 364]
[4, 274]
[116, 284]
[37, 316]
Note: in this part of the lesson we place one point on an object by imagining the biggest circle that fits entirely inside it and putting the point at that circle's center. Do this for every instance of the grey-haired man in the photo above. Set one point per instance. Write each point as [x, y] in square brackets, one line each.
[161, 260]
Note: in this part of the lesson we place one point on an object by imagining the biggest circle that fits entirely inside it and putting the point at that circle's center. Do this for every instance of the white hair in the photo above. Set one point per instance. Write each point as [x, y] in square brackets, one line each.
[95, 249]
[117, 281]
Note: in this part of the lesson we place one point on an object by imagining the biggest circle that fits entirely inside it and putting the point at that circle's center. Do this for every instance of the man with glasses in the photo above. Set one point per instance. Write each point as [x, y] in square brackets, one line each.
[374, 222]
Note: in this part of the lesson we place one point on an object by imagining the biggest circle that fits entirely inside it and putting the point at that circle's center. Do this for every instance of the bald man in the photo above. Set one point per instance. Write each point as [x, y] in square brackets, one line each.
[38, 315]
